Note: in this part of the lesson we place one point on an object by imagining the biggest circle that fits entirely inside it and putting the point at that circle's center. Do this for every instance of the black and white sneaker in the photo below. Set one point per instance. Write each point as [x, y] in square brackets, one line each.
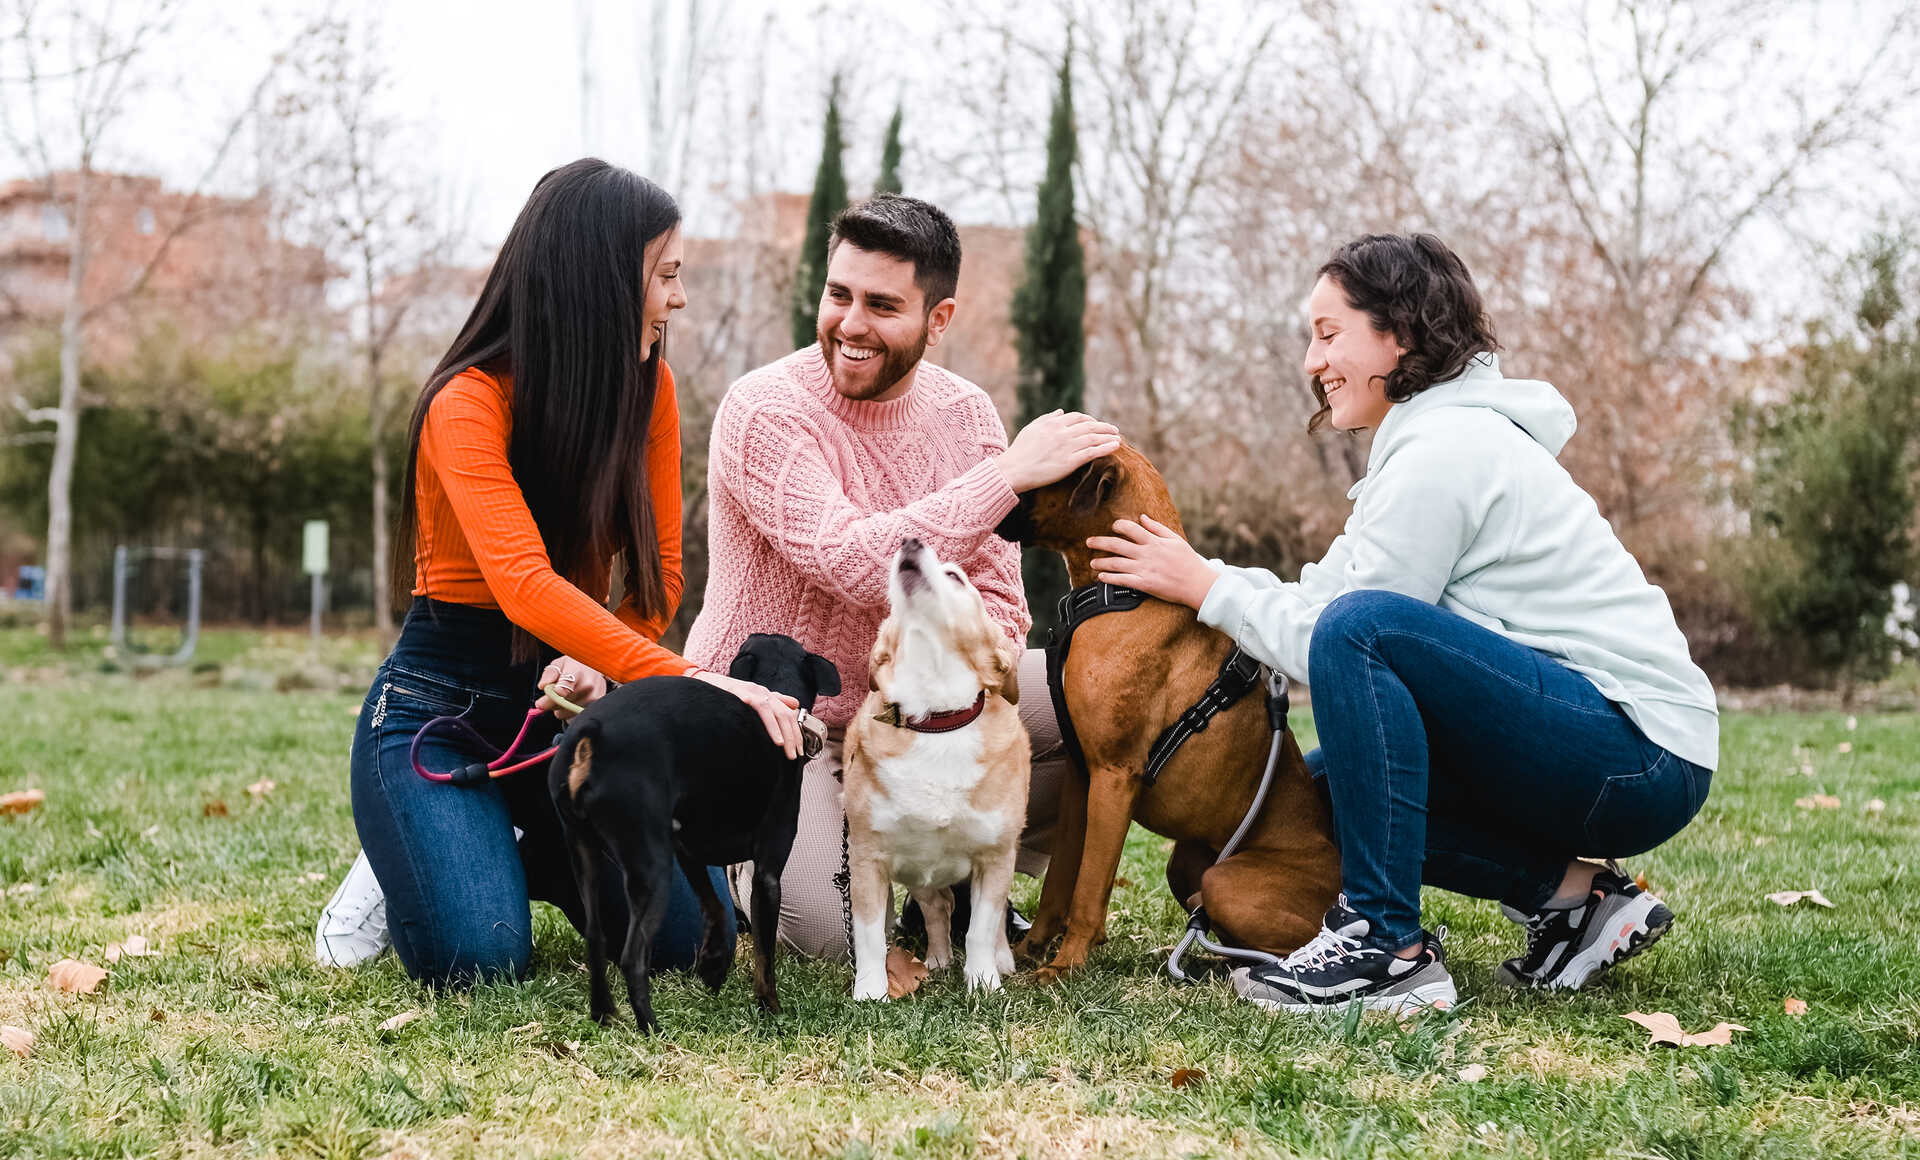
[1338, 968]
[1568, 946]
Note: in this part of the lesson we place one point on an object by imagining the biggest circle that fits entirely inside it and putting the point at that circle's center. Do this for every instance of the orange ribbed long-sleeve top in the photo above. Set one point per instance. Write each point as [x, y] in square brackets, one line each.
[477, 543]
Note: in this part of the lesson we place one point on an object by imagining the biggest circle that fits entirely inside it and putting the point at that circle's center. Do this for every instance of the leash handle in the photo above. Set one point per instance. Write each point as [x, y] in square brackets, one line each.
[479, 772]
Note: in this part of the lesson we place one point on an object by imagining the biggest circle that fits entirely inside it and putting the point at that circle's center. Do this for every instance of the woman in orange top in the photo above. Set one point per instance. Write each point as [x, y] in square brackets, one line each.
[545, 445]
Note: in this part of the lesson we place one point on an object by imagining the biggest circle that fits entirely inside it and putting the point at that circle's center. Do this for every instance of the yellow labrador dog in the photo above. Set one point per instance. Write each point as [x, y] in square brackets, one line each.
[936, 773]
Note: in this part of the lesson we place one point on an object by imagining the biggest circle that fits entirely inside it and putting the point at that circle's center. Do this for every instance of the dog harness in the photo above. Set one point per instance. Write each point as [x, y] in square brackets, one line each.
[1239, 675]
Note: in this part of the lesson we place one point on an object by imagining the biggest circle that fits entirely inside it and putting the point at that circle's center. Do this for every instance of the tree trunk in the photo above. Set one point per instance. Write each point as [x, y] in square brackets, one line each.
[382, 548]
[66, 430]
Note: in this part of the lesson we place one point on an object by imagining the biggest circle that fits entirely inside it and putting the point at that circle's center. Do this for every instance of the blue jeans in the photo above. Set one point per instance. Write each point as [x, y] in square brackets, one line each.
[458, 885]
[1458, 758]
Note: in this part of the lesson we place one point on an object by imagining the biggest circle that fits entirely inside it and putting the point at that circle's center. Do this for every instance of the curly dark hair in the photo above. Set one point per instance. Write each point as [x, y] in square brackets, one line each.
[1418, 290]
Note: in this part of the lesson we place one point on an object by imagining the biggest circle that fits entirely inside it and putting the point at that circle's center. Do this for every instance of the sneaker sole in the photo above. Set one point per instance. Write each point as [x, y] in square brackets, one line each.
[1439, 995]
[1637, 925]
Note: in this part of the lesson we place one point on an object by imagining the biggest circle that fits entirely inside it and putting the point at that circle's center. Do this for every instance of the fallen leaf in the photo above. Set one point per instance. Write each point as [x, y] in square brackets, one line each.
[17, 1040]
[1852, 724]
[156, 1016]
[214, 809]
[1186, 1075]
[1793, 1006]
[1789, 897]
[261, 788]
[314, 876]
[1473, 1073]
[1640, 880]
[559, 1050]
[525, 1028]
[1665, 1030]
[1121, 882]
[905, 973]
[22, 801]
[134, 948]
[399, 1021]
[1876, 805]
[1844, 747]
[76, 977]
[1819, 801]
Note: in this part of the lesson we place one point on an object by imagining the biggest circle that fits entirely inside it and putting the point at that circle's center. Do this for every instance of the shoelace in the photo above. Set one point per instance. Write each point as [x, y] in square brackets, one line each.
[1324, 947]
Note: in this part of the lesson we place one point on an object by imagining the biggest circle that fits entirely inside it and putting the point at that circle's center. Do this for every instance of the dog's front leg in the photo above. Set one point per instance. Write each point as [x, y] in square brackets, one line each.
[871, 888]
[1063, 870]
[987, 930]
[1110, 799]
[713, 960]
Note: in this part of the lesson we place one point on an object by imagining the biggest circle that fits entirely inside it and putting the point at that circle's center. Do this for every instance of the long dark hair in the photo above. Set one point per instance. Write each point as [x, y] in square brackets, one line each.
[560, 317]
[1416, 289]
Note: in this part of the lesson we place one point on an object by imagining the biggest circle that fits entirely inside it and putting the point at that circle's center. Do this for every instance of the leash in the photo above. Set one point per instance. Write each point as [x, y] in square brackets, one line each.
[479, 772]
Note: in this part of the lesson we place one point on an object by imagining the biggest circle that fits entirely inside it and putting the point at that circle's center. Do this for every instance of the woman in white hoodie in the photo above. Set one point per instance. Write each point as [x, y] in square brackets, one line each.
[1497, 688]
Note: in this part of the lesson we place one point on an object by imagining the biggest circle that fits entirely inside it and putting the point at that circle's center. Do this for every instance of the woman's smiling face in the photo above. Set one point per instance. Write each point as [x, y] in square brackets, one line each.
[1349, 358]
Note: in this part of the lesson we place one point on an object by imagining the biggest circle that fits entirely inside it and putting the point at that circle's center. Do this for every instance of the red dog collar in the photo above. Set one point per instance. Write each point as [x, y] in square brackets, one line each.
[934, 722]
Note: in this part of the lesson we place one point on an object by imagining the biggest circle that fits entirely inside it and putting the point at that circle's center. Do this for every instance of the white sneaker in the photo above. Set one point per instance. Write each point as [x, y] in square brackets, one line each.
[353, 927]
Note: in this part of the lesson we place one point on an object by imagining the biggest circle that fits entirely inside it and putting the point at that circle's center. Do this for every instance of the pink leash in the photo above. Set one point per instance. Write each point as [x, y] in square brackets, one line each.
[479, 772]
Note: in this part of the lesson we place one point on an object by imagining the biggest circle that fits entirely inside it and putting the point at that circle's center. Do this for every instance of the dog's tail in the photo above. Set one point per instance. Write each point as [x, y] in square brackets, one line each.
[575, 752]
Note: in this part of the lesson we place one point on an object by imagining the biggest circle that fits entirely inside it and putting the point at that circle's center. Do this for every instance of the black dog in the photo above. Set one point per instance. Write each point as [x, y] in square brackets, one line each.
[672, 768]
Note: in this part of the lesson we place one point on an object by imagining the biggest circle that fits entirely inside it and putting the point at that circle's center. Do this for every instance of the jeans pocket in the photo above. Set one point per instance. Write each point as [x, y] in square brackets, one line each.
[1635, 812]
[438, 697]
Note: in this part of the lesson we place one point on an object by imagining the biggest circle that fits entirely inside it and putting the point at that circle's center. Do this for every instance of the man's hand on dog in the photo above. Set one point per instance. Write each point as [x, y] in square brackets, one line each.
[1150, 557]
[1051, 447]
[778, 712]
[572, 680]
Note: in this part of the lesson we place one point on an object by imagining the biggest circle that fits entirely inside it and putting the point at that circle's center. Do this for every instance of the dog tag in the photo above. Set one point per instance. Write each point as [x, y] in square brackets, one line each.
[889, 714]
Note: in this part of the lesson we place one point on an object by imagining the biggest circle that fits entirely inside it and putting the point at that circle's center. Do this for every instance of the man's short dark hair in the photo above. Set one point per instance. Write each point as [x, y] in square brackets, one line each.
[908, 229]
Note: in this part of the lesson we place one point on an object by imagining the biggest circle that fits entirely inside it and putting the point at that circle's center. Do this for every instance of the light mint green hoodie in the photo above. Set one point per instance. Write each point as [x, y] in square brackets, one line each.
[1465, 506]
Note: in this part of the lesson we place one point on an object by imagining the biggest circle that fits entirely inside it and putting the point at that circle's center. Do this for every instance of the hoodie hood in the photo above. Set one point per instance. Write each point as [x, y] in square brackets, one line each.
[1533, 406]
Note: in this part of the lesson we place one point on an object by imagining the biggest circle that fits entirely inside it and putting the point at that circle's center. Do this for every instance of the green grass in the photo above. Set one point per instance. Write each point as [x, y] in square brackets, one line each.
[231, 1042]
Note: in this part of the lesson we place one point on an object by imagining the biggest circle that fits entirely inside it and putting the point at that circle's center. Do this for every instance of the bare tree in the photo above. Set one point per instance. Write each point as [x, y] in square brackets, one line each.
[384, 229]
[74, 74]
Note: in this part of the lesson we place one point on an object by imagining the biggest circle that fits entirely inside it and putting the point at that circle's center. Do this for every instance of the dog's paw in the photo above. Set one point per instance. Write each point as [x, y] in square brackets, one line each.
[940, 961]
[1031, 949]
[983, 980]
[1049, 974]
[713, 972]
[870, 990]
[1003, 959]
[769, 1002]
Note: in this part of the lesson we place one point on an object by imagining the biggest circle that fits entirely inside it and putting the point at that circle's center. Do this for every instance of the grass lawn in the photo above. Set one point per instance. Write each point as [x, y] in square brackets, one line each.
[231, 1042]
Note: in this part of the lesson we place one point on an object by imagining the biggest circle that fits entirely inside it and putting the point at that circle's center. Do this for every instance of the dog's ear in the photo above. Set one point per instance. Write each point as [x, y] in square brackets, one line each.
[1017, 527]
[1097, 483]
[744, 666]
[881, 659]
[826, 678]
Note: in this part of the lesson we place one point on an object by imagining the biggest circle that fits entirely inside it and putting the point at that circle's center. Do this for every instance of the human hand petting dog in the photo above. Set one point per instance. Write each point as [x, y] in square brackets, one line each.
[1152, 558]
[1052, 446]
[779, 712]
[572, 680]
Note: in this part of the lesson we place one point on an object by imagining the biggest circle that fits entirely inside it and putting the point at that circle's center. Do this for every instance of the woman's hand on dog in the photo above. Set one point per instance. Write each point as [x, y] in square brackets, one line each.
[778, 712]
[572, 680]
[1051, 447]
[1150, 557]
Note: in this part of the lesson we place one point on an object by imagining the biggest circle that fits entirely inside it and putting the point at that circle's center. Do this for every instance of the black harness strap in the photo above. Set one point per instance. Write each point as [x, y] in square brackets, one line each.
[1239, 675]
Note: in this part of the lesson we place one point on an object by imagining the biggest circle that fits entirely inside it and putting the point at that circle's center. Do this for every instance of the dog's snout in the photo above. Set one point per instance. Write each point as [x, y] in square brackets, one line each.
[911, 546]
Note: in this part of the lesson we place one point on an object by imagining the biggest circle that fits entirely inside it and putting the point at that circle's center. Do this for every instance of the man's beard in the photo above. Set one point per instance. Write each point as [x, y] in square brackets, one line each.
[894, 364]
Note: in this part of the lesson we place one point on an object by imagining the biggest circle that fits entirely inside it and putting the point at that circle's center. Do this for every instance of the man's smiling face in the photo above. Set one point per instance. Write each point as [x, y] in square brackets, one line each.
[874, 324]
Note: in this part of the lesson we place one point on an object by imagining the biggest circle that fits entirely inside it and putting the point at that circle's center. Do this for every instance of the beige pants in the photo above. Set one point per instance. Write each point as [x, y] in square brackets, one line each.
[816, 911]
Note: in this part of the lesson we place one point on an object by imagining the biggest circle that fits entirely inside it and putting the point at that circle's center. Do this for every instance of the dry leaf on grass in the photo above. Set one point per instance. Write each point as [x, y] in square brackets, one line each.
[399, 1021]
[261, 788]
[1789, 897]
[525, 1029]
[217, 808]
[1473, 1073]
[1641, 881]
[1819, 801]
[1186, 1075]
[1793, 1006]
[22, 801]
[313, 876]
[1844, 747]
[156, 1016]
[136, 947]
[75, 977]
[1876, 805]
[1666, 1030]
[905, 973]
[17, 1040]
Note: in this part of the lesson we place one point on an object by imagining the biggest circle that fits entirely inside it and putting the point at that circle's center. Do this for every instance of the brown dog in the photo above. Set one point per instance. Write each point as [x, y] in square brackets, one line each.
[1127, 677]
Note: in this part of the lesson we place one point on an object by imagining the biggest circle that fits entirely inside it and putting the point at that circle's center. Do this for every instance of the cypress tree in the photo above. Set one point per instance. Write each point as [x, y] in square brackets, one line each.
[890, 158]
[1048, 309]
[829, 198]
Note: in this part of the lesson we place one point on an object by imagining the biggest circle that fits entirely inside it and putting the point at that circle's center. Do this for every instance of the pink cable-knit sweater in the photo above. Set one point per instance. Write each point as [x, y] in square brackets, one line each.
[810, 494]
